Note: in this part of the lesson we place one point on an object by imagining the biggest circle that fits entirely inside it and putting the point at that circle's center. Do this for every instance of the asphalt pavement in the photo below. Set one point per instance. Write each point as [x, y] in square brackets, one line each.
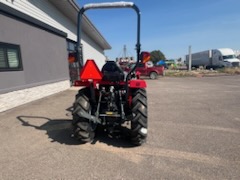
[194, 133]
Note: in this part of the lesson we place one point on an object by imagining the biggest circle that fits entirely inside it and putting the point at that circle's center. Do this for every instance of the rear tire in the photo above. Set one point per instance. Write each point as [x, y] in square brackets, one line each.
[153, 75]
[83, 129]
[139, 121]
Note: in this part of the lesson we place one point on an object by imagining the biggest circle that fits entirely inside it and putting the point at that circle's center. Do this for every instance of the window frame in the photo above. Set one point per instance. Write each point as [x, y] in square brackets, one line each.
[141, 65]
[5, 47]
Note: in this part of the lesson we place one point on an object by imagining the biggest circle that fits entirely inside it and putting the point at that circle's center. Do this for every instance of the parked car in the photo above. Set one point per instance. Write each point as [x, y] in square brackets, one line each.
[152, 71]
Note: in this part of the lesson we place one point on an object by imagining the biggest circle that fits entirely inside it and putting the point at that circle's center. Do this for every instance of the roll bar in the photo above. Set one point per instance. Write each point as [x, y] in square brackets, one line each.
[121, 4]
[108, 5]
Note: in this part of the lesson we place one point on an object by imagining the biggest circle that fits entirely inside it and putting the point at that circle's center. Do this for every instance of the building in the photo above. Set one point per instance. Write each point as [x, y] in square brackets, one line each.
[35, 38]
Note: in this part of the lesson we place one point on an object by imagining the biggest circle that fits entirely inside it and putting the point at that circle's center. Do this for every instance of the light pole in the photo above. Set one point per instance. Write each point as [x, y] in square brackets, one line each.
[190, 59]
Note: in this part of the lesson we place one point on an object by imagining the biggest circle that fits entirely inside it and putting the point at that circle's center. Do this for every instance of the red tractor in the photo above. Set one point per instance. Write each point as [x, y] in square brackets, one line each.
[110, 97]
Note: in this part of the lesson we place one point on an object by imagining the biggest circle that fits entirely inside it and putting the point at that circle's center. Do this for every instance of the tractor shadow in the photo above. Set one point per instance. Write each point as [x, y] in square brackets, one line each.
[60, 130]
[120, 138]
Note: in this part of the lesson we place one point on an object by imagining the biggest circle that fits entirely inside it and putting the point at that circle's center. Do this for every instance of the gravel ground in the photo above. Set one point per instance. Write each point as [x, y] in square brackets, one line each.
[194, 132]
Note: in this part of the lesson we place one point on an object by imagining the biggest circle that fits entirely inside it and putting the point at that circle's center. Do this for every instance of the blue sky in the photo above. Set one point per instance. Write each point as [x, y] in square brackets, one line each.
[170, 26]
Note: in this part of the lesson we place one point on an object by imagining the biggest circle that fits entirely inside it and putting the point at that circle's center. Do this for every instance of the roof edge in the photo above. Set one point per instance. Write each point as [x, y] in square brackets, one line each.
[97, 36]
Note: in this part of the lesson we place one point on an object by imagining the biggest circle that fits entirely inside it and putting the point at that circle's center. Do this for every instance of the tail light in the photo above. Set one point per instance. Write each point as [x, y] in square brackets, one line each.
[72, 57]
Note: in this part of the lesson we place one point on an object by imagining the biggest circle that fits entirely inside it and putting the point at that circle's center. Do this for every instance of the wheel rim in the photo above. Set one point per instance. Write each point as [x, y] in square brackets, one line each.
[153, 75]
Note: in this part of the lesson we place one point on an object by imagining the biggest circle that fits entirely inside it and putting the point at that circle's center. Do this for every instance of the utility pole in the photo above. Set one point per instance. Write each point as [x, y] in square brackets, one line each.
[125, 52]
[190, 59]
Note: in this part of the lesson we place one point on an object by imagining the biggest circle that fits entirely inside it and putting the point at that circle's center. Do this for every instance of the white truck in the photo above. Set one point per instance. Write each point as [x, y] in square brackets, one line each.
[214, 58]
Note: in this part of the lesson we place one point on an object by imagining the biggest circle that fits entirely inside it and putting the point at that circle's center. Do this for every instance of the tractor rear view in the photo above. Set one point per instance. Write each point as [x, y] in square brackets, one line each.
[110, 97]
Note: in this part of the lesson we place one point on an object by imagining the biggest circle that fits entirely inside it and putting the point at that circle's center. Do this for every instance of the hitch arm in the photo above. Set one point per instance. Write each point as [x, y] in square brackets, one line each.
[85, 115]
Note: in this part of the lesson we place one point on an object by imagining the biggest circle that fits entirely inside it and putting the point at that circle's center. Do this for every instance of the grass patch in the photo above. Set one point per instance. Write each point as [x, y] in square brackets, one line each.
[235, 70]
[177, 73]
[202, 72]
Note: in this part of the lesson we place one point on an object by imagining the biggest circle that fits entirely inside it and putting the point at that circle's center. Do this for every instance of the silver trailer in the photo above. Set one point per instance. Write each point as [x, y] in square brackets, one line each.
[214, 58]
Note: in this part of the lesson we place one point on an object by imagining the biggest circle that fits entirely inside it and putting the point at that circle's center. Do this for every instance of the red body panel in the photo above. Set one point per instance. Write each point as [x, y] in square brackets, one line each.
[136, 83]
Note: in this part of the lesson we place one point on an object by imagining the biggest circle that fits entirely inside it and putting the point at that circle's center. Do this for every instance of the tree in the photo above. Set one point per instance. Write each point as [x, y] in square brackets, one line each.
[179, 60]
[156, 56]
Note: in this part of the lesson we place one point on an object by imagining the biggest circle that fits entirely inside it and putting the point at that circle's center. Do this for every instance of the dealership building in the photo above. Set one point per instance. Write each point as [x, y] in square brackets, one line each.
[35, 39]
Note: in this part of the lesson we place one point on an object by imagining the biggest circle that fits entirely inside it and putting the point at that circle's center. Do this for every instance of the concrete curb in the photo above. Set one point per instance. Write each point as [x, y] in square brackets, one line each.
[20, 97]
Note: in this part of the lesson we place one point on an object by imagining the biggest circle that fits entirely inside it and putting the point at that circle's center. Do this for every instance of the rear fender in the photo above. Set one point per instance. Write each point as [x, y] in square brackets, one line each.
[154, 71]
[137, 83]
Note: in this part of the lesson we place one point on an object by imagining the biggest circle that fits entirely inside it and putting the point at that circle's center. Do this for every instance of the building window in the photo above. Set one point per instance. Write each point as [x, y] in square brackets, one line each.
[10, 57]
[71, 46]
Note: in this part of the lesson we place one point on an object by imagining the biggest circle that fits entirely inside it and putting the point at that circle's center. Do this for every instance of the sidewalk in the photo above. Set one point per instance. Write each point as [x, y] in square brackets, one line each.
[17, 98]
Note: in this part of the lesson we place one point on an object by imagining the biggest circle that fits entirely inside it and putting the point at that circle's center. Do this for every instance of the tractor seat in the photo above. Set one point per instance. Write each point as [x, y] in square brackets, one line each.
[112, 72]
